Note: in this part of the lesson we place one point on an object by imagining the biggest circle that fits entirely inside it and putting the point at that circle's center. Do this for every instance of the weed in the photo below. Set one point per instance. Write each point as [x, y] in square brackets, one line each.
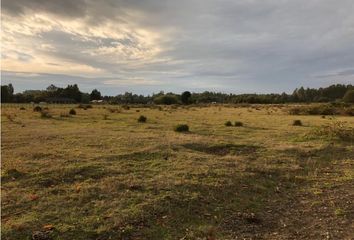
[297, 123]
[181, 128]
[228, 124]
[142, 119]
[37, 109]
[72, 112]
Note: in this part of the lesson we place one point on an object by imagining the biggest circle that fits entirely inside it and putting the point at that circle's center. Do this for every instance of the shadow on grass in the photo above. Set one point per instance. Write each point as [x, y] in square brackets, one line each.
[222, 149]
[222, 203]
[69, 175]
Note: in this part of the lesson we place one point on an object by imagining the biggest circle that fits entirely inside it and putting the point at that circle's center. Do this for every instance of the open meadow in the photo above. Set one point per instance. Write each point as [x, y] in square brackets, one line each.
[100, 174]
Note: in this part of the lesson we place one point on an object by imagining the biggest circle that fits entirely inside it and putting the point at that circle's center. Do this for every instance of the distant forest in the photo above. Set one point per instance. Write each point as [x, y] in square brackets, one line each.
[72, 94]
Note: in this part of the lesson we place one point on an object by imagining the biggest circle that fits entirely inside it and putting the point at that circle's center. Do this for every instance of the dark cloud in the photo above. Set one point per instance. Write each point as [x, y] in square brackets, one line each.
[67, 8]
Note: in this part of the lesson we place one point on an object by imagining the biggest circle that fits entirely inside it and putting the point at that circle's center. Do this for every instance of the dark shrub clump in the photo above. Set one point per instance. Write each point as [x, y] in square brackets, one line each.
[297, 123]
[37, 109]
[228, 124]
[142, 119]
[182, 128]
[72, 112]
[22, 108]
[238, 124]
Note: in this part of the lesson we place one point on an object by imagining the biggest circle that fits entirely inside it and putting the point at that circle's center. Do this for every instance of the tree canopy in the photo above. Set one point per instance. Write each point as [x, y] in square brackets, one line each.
[338, 92]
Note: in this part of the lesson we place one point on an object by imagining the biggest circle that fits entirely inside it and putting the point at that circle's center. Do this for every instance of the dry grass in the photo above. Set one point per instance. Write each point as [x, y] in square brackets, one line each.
[88, 177]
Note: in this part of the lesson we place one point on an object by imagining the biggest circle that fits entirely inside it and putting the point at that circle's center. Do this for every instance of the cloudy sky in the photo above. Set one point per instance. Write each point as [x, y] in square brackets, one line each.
[240, 46]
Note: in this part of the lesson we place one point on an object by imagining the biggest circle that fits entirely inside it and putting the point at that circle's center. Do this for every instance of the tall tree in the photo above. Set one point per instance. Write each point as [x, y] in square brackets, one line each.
[7, 93]
[95, 95]
[349, 96]
[185, 97]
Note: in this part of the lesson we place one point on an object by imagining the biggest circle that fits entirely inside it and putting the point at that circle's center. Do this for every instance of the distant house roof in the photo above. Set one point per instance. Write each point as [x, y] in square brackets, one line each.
[97, 101]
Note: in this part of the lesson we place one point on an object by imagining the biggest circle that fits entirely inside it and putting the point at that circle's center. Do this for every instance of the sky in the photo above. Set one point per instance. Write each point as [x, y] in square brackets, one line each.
[231, 46]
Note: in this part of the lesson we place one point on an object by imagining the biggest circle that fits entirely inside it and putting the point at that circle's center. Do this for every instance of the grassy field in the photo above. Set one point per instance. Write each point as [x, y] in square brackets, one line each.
[100, 174]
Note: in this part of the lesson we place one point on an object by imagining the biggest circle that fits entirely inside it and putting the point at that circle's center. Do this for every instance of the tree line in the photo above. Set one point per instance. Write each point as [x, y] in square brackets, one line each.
[333, 93]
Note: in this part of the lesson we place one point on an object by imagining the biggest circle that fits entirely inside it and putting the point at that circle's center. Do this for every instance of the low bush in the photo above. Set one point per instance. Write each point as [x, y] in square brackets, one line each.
[297, 123]
[336, 131]
[181, 128]
[142, 119]
[323, 109]
[37, 109]
[349, 111]
[238, 124]
[22, 108]
[228, 124]
[72, 112]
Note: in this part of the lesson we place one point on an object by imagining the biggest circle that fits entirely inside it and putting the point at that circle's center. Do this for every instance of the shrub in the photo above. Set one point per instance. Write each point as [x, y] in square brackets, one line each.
[72, 112]
[13, 172]
[125, 107]
[22, 108]
[228, 124]
[297, 123]
[142, 119]
[182, 128]
[238, 124]
[45, 114]
[336, 131]
[37, 109]
[323, 109]
[85, 106]
[349, 111]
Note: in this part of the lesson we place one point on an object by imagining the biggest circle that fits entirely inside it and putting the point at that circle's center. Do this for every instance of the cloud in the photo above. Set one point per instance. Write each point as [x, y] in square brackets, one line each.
[237, 46]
